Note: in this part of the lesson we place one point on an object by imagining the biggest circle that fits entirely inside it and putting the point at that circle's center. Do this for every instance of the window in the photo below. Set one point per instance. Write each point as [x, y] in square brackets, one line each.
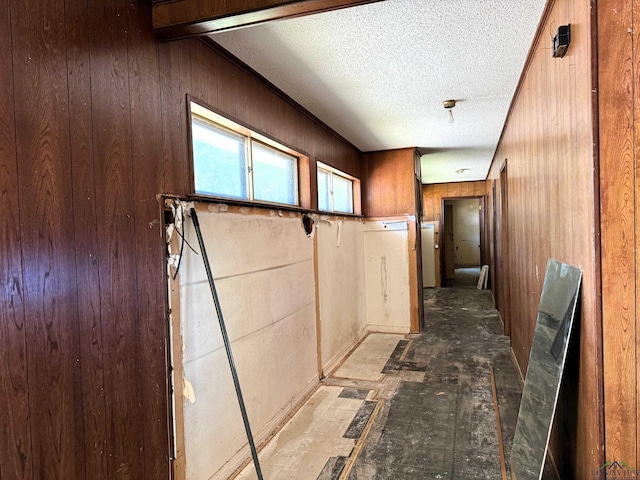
[335, 190]
[234, 162]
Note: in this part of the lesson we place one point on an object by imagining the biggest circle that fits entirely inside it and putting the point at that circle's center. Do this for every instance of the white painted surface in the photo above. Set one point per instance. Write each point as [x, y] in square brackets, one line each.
[428, 255]
[378, 73]
[264, 275]
[341, 286]
[387, 276]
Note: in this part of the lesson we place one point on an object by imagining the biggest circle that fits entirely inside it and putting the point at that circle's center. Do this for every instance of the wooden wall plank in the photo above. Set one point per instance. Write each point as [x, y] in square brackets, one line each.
[15, 422]
[86, 241]
[46, 230]
[148, 176]
[552, 212]
[617, 194]
[116, 233]
[636, 124]
[390, 183]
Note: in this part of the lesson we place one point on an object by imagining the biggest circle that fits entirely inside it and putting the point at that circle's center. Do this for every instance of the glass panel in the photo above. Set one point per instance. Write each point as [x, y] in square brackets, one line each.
[546, 365]
[324, 202]
[342, 194]
[274, 175]
[219, 161]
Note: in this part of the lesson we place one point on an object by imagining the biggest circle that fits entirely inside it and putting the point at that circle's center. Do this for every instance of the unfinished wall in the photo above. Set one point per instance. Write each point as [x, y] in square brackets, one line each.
[264, 271]
[92, 128]
[386, 276]
[341, 287]
[547, 146]
[466, 232]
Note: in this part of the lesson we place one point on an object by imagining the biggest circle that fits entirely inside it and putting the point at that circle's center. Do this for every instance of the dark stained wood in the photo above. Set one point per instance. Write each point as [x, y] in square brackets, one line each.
[111, 104]
[618, 189]
[47, 240]
[184, 18]
[148, 177]
[93, 128]
[86, 241]
[15, 423]
[552, 206]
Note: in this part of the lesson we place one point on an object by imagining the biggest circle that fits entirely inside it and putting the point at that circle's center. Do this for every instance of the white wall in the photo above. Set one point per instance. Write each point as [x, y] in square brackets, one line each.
[265, 279]
[387, 276]
[466, 232]
[341, 286]
[265, 276]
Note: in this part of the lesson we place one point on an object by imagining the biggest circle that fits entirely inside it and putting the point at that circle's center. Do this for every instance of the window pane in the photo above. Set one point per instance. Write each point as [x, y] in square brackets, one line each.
[219, 162]
[323, 190]
[342, 194]
[274, 175]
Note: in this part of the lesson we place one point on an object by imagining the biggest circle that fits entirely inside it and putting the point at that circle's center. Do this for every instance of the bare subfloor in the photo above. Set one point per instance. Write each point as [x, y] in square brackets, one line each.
[409, 407]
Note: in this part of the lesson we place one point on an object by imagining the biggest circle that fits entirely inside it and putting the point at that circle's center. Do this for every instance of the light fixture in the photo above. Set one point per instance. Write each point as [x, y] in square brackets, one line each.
[461, 170]
[561, 41]
[449, 104]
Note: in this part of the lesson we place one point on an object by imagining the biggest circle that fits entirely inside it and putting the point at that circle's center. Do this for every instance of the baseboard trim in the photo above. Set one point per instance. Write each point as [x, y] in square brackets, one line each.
[340, 357]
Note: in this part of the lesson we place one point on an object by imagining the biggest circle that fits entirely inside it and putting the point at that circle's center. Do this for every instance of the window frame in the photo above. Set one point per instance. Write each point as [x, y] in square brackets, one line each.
[205, 114]
[338, 173]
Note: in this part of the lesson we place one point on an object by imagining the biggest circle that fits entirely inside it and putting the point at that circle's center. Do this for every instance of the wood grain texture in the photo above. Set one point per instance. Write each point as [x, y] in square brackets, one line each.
[47, 239]
[15, 423]
[148, 176]
[115, 213]
[86, 241]
[618, 211]
[93, 127]
[547, 142]
[390, 188]
[185, 18]
[636, 125]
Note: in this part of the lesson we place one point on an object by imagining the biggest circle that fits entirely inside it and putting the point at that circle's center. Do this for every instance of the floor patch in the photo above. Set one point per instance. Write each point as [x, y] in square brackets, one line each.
[360, 420]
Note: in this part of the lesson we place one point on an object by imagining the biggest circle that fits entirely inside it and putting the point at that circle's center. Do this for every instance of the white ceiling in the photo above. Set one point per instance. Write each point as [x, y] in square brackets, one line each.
[378, 73]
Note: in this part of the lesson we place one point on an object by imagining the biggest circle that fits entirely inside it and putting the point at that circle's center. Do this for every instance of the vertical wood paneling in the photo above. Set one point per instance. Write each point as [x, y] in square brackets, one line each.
[552, 213]
[116, 233]
[86, 241]
[636, 124]
[100, 129]
[175, 82]
[46, 228]
[432, 195]
[146, 154]
[15, 423]
[617, 194]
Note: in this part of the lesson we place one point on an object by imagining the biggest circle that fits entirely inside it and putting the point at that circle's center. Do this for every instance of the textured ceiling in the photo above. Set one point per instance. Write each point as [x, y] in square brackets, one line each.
[378, 74]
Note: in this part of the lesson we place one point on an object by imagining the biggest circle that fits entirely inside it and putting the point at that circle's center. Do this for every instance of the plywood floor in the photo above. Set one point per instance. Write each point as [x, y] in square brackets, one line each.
[409, 407]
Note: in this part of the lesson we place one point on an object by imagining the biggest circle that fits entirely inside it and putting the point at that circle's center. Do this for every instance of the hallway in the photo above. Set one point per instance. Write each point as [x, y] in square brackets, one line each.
[414, 406]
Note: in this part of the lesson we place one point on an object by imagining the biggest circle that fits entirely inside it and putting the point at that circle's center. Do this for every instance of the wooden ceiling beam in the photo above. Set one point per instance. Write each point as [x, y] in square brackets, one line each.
[188, 18]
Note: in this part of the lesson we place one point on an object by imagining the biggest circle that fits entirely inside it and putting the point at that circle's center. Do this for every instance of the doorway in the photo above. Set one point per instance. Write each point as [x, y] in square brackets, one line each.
[462, 235]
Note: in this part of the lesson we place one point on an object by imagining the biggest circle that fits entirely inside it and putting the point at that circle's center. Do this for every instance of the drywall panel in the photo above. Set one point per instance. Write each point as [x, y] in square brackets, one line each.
[263, 266]
[466, 232]
[387, 276]
[341, 288]
[428, 254]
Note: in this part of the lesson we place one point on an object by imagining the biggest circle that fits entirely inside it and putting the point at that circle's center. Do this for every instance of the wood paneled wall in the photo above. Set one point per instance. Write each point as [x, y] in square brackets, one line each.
[390, 188]
[433, 194]
[619, 110]
[92, 128]
[547, 143]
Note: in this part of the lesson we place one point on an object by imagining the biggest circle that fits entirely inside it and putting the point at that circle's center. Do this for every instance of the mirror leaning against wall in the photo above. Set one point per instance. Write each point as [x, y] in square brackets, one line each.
[544, 374]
